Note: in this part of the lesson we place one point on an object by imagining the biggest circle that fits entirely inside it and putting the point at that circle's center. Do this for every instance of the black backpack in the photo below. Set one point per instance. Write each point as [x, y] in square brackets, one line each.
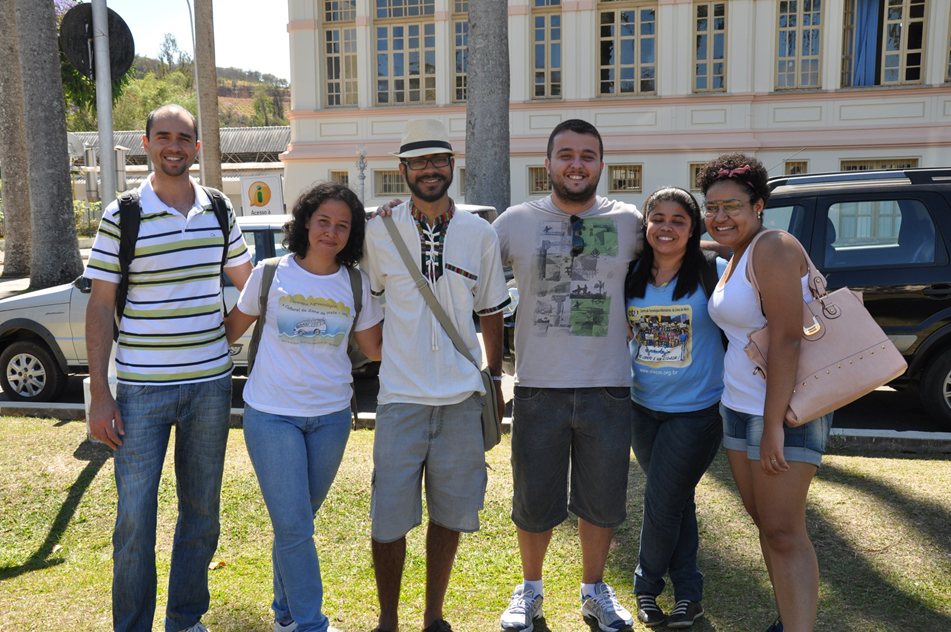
[130, 212]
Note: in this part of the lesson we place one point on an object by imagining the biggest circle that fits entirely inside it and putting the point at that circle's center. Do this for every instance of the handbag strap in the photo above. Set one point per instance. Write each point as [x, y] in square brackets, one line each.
[817, 282]
[267, 277]
[423, 286]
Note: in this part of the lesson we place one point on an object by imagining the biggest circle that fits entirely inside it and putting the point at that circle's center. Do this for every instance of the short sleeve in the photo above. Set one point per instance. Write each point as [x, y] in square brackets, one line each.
[372, 313]
[237, 249]
[501, 227]
[249, 302]
[492, 294]
[370, 262]
[104, 259]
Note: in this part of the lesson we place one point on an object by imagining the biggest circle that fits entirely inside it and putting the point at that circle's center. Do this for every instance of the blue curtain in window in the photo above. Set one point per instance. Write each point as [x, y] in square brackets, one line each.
[866, 42]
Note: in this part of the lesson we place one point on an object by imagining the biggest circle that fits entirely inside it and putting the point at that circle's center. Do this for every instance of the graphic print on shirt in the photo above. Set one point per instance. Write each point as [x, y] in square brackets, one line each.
[663, 335]
[309, 320]
[569, 290]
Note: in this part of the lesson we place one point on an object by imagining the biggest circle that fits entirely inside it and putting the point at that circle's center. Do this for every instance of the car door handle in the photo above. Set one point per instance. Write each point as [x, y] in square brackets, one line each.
[938, 292]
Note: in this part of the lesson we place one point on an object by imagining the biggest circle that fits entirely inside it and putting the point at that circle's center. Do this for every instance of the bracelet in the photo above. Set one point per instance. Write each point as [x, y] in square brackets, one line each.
[497, 378]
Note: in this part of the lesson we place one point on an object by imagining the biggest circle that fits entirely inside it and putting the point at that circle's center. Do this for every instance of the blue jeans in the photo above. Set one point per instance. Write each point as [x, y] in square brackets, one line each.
[200, 412]
[296, 460]
[674, 450]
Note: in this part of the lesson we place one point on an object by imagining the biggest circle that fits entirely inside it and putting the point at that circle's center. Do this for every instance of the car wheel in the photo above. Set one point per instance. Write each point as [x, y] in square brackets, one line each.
[935, 388]
[30, 373]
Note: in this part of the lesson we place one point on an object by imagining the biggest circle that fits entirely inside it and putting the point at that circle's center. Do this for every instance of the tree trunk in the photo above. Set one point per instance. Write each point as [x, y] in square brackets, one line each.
[488, 177]
[207, 86]
[16, 185]
[55, 258]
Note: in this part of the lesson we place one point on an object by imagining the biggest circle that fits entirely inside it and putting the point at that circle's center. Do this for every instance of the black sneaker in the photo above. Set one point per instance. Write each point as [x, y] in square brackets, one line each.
[684, 614]
[648, 612]
[776, 627]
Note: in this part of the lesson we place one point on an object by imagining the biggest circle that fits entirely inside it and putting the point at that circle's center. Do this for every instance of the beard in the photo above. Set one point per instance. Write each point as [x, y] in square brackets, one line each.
[173, 171]
[429, 197]
[584, 195]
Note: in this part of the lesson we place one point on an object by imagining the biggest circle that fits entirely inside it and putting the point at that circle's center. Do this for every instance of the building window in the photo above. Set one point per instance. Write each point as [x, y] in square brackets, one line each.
[406, 63]
[462, 182]
[695, 168]
[341, 57]
[796, 167]
[626, 54]
[343, 177]
[340, 10]
[624, 178]
[800, 32]
[389, 182]
[875, 165]
[461, 54]
[710, 50]
[460, 6]
[546, 51]
[883, 43]
[404, 8]
[538, 181]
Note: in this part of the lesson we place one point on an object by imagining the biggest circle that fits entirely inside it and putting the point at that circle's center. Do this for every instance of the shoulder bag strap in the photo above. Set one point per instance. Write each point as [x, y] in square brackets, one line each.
[425, 290]
[817, 282]
[267, 277]
[356, 285]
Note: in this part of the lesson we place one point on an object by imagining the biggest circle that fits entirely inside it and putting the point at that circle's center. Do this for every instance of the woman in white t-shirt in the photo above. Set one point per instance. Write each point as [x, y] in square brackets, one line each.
[297, 399]
[772, 463]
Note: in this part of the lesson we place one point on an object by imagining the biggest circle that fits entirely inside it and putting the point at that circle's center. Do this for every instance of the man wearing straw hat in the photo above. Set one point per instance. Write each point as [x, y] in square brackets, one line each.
[430, 400]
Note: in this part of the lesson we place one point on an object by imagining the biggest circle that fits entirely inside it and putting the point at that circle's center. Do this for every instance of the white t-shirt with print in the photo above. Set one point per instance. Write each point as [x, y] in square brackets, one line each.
[302, 368]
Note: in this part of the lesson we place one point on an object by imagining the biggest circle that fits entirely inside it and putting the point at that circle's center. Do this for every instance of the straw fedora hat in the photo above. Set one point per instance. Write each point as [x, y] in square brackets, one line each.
[422, 137]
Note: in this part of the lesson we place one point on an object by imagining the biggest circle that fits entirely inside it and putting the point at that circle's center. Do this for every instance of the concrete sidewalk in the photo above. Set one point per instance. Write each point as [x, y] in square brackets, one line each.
[11, 286]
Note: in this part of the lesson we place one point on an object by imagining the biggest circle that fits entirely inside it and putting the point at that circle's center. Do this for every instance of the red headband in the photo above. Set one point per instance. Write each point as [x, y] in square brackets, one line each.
[731, 173]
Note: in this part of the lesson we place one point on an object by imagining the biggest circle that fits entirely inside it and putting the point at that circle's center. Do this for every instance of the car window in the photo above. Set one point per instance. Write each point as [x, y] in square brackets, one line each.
[279, 249]
[876, 233]
[788, 218]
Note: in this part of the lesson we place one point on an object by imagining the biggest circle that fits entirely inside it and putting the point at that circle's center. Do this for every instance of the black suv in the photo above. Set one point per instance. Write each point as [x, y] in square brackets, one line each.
[886, 234]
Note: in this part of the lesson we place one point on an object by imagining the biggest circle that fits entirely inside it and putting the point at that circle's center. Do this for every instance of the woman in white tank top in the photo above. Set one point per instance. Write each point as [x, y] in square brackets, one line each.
[773, 465]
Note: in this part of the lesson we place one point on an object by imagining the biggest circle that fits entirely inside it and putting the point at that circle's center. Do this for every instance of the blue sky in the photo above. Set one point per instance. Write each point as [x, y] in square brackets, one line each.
[249, 34]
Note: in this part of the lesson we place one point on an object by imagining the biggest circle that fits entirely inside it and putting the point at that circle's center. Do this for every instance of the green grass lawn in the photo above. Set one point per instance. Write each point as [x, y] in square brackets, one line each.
[880, 525]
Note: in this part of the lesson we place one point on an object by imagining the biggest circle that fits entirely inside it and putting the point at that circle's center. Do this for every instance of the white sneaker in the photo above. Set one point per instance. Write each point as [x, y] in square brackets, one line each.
[523, 609]
[603, 607]
[290, 627]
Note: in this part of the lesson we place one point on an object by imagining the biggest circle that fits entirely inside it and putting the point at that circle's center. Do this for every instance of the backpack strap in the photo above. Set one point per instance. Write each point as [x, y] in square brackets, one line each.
[219, 204]
[267, 277]
[356, 285]
[130, 213]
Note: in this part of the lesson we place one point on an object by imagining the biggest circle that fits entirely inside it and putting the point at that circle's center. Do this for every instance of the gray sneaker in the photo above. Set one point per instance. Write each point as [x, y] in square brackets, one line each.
[198, 627]
[285, 627]
[523, 609]
[603, 608]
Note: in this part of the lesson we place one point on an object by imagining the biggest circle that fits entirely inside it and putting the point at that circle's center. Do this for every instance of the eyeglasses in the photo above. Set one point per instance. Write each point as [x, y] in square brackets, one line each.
[731, 208]
[440, 161]
[577, 242]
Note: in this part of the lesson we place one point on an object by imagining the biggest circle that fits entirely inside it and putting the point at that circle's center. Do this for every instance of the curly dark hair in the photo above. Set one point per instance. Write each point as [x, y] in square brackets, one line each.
[295, 231]
[688, 277]
[755, 179]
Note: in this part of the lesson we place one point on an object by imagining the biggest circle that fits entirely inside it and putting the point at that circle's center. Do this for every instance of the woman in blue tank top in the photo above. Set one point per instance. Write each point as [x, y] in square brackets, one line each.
[677, 364]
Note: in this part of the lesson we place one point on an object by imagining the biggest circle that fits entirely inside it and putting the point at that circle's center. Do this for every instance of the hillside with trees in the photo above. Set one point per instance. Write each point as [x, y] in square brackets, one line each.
[246, 98]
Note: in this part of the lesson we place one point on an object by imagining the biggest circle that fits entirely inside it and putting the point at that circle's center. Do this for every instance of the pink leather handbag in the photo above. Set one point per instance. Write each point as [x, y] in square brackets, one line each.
[843, 354]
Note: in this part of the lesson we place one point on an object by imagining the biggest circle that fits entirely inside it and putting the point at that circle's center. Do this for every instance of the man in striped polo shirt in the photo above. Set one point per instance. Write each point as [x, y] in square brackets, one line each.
[173, 369]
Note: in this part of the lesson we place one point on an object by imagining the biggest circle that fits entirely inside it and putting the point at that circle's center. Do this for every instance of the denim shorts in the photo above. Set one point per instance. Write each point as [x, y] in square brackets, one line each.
[442, 442]
[584, 433]
[805, 443]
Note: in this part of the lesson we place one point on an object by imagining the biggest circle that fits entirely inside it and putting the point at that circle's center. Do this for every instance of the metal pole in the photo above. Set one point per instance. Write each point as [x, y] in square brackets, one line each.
[107, 160]
[361, 167]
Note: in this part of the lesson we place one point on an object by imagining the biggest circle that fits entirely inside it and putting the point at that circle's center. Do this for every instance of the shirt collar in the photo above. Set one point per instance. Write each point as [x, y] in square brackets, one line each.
[442, 219]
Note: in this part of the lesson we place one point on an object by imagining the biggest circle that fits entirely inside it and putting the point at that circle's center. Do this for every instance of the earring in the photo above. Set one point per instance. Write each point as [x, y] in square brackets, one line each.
[759, 216]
